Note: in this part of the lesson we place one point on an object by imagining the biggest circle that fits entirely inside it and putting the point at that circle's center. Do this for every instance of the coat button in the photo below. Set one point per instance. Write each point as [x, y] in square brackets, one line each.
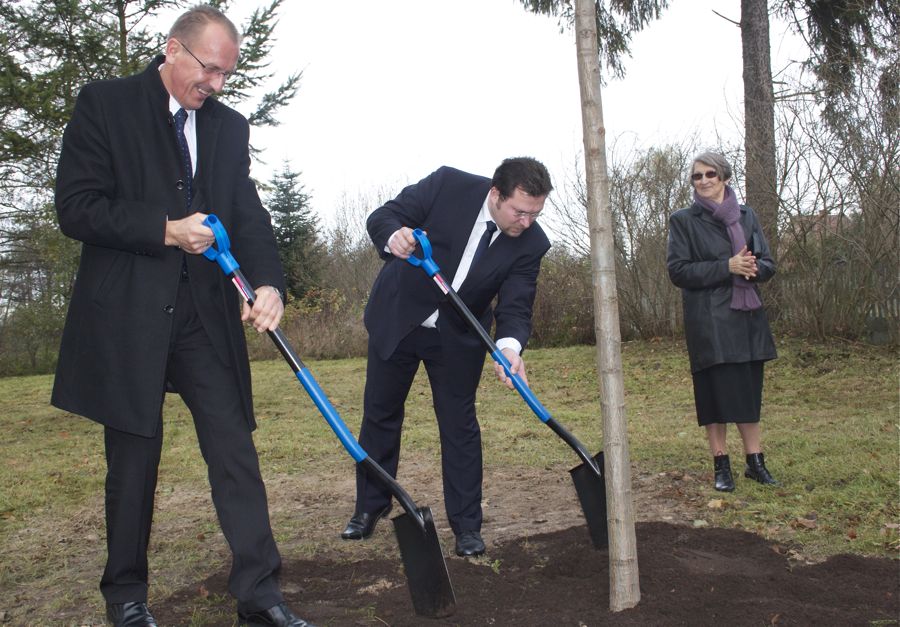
[169, 309]
[179, 184]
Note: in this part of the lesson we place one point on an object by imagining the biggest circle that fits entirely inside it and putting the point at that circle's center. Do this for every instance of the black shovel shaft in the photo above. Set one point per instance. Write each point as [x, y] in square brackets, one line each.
[519, 384]
[328, 411]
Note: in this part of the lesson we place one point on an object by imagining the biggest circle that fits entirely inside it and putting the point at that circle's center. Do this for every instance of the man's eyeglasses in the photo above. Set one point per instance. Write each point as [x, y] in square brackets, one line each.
[208, 70]
[710, 174]
[533, 215]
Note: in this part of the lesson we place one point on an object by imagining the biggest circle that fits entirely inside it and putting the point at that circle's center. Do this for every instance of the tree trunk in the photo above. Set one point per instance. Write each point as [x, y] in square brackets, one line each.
[759, 118]
[624, 589]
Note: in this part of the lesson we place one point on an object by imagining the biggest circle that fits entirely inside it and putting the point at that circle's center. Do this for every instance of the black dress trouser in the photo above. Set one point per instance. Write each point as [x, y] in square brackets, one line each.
[208, 388]
[454, 371]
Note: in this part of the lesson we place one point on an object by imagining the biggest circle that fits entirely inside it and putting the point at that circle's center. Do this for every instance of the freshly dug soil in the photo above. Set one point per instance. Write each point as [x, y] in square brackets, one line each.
[688, 576]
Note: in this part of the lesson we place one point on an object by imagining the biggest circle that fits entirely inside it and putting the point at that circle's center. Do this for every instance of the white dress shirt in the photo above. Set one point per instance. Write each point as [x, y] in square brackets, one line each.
[465, 264]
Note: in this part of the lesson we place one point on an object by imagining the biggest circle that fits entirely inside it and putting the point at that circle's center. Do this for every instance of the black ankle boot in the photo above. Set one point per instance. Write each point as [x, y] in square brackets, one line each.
[724, 480]
[756, 469]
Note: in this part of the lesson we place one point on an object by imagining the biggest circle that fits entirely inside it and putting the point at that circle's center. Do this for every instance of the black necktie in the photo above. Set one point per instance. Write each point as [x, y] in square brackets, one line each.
[180, 118]
[484, 242]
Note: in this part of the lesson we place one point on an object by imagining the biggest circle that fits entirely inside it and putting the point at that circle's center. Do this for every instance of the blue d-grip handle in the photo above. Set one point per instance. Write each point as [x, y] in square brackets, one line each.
[426, 262]
[220, 253]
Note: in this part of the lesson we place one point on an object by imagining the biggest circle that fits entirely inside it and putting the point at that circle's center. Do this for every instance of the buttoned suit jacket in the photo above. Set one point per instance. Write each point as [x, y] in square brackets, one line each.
[446, 204]
[119, 179]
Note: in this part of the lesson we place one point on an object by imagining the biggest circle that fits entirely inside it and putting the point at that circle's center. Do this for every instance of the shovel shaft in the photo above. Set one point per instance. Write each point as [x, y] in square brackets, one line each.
[303, 374]
[521, 387]
[327, 410]
[399, 493]
[423, 559]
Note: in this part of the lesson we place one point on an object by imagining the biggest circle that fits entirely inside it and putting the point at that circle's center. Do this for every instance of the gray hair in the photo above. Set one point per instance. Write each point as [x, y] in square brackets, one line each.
[713, 160]
[191, 23]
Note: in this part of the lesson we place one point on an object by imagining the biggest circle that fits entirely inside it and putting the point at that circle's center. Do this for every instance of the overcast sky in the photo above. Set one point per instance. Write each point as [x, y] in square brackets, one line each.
[392, 90]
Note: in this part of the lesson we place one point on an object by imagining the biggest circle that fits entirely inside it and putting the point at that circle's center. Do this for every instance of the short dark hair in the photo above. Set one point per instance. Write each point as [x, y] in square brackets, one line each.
[190, 23]
[524, 173]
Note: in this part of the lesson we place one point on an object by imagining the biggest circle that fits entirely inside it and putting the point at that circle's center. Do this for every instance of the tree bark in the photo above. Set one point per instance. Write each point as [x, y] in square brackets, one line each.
[759, 118]
[624, 589]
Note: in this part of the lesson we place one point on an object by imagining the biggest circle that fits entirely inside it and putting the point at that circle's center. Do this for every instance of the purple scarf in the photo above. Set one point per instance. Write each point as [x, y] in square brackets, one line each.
[743, 296]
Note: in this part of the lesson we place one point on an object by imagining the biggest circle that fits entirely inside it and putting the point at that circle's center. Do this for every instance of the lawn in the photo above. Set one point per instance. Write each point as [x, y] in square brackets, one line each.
[830, 430]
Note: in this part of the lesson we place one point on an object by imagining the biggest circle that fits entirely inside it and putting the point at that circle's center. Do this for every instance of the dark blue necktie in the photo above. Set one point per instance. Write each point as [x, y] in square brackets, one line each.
[180, 118]
[484, 242]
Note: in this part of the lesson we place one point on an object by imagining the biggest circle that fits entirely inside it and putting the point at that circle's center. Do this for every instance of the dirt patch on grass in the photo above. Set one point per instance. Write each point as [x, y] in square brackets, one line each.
[540, 568]
[688, 577]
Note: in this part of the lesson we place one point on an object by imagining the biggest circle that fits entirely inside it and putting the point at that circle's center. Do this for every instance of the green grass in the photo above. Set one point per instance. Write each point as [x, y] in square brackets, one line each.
[830, 431]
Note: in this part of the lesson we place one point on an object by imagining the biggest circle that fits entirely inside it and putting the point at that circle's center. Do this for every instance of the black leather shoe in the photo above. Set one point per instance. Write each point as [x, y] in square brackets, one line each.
[279, 615]
[132, 614]
[363, 524]
[724, 480]
[756, 469]
[469, 544]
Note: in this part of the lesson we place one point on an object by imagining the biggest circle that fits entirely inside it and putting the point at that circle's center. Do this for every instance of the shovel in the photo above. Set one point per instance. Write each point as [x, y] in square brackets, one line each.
[587, 476]
[423, 560]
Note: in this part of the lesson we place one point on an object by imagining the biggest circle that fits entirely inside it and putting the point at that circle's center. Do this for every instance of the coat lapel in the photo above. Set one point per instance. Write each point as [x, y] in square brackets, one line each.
[162, 127]
[208, 124]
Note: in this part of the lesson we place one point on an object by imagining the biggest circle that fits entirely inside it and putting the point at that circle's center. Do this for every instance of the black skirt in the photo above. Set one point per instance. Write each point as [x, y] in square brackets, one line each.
[728, 393]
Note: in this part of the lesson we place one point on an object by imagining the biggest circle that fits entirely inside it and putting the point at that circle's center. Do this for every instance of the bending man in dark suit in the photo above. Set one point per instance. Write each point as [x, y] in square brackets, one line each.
[409, 322]
[147, 310]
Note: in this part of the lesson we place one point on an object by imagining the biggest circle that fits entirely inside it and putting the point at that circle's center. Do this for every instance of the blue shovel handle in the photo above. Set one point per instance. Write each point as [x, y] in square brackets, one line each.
[426, 262]
[220, 252]
[230, 267]
[521, 387]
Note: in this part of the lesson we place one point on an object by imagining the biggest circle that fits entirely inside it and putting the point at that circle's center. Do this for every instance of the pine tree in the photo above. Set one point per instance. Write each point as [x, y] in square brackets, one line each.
[49, 50]
[296, 232]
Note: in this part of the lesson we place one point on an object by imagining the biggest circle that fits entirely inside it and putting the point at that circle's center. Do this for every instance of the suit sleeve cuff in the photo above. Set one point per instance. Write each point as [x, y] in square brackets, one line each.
[509, 342]
[387, 247]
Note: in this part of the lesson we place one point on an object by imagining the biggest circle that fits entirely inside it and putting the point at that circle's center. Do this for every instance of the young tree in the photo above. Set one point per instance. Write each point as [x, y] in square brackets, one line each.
[296, 232]
[603, 28]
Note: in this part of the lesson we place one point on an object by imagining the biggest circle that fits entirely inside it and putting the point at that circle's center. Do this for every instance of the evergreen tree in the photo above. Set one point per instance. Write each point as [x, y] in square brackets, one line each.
[50, 48]
[296, 232]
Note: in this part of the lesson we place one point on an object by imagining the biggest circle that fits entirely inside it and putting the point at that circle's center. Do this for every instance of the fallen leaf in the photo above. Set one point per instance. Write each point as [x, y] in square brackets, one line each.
[716, 504]
[700, 523]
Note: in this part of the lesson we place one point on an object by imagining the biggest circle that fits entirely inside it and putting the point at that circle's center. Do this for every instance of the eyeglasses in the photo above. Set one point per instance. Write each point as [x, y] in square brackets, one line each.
[533, 215]
[208, 70]
[710, 174]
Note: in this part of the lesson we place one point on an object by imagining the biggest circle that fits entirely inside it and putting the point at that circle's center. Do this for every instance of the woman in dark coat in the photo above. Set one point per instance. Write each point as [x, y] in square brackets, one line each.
[717, 254]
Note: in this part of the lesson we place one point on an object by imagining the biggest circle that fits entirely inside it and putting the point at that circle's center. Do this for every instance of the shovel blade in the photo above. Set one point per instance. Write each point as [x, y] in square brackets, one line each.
[591, 489]
[423, 561]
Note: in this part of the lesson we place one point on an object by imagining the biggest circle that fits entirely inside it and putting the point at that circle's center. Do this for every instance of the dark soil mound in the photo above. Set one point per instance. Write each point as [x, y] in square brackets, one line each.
[688, 577]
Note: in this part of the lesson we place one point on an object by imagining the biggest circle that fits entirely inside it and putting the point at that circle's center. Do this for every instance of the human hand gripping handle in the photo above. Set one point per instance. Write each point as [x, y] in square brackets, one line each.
[264, 309]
